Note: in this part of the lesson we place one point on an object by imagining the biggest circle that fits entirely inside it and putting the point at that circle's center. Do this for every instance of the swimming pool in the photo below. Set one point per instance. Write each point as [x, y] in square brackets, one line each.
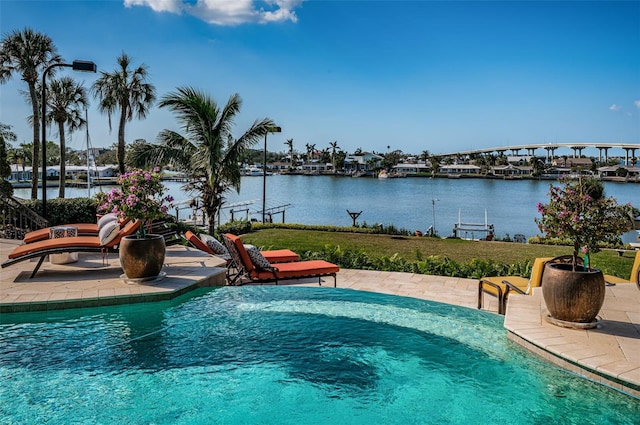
[280, 355]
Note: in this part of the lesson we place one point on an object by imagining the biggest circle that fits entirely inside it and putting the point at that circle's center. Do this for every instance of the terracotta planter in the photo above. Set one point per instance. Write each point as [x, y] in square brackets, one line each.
[142, 258]
[572, 296]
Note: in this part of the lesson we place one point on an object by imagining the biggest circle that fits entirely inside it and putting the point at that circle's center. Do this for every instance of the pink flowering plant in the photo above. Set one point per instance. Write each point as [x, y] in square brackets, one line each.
[141, 196]
[580, 215]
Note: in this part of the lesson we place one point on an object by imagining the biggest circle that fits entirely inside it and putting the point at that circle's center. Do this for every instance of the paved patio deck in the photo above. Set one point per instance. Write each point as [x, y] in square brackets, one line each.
[609, 353]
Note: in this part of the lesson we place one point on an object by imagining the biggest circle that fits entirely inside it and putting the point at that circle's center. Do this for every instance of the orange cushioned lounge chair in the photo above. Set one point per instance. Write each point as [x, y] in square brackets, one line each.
[74, 244]
[273, 256]
[501, 286]
[84, 229]
[277, 271]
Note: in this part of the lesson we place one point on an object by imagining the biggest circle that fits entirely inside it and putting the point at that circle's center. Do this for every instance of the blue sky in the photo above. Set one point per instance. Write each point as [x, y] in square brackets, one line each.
[412, 75]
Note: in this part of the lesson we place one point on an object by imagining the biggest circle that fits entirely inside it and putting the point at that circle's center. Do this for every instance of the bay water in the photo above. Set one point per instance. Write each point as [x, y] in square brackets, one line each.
[409, 203]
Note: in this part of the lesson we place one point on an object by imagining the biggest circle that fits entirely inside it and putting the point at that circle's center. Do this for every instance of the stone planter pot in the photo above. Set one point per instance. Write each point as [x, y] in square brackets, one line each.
[573, 296]
[142, 258]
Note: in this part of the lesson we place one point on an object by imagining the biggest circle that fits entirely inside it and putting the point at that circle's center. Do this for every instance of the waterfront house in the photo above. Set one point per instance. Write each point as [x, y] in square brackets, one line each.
[364, 161]
[510, 170]
[455, 169]
[408, 169]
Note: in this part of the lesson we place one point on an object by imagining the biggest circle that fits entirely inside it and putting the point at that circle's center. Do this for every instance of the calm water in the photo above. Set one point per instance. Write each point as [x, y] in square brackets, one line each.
[411, 203]
[285, 355]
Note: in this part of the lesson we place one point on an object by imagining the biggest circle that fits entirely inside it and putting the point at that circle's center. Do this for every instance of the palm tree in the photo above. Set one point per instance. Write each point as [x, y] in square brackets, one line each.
[207, 150]
[125, 90]
[66, 99]
[334, 148]
[310, 149]
[27, 53]
[289, 144]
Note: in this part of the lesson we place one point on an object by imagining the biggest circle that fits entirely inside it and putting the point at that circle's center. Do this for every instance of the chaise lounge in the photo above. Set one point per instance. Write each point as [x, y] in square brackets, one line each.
[100, 243]
[256, 269]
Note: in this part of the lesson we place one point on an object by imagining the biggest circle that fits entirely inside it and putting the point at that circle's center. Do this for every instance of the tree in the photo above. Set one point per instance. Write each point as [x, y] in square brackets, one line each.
[125, 90]
[289, 144]
[6, 135]
[310, 150]
[207, 150]
[334, 149]
[27, 53]
[65, 98]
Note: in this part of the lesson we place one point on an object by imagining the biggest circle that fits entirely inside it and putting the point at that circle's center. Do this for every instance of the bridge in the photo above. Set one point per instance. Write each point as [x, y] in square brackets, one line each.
[576, 147]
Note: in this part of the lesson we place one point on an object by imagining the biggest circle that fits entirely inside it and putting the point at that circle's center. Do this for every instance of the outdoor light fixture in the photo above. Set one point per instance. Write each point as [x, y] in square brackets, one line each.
[87, 66]
[264, 169]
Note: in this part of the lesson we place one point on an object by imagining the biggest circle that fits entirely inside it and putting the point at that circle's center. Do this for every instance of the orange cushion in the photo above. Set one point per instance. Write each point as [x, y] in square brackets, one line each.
[299, 269]
[40, 234]
[78, 241]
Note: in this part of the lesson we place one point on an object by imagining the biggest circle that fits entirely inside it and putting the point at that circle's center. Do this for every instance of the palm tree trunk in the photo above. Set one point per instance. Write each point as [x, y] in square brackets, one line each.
[121, 144]
[36, 142]
[63, 160]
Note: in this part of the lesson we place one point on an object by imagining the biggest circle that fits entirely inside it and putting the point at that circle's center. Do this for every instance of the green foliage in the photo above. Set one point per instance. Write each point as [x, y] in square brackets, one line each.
[66, 210]
[236, 227]
[434, 265]
[372, 229]
[579, 213]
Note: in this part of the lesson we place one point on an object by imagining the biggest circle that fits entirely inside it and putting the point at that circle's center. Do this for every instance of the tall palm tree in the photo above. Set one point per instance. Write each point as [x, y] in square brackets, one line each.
[66, 99]
[334, 148]
[207, 149]
[289, 144]
[27, 53]
[126, 90]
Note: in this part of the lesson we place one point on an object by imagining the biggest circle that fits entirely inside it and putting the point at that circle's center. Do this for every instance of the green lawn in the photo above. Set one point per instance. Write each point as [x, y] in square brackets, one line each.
[411, 248]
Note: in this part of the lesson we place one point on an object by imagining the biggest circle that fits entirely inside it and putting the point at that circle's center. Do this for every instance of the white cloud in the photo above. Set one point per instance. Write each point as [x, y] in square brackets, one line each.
[226, 12]
[637, 103]
[615, 107]
[174, 6]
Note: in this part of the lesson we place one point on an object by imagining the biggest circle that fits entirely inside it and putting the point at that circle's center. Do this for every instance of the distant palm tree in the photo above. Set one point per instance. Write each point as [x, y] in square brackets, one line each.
[66, 99]
[125, 90]
[207, 150]
[334, 149]
[27, 53]
[289, 144]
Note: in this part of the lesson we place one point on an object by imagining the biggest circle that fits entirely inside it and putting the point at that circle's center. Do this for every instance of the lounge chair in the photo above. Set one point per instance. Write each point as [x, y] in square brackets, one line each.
[84, 229]
[73, 244]
[501, 286]
[634, 277]
[273, 256]
[266, 272]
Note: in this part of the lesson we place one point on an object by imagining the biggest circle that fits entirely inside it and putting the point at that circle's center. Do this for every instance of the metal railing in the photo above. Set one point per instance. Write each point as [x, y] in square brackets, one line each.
[17, 219]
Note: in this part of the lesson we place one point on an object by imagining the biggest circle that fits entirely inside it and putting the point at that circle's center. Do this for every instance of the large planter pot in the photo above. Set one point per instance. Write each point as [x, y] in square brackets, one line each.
[573, 296]
[142, 258]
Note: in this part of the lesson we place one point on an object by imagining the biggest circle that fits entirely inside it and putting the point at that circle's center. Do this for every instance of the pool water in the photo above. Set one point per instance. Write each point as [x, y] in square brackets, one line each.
[285, 355]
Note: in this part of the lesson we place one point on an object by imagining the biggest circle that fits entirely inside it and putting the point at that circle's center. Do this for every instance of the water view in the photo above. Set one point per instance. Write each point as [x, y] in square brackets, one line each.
[410, 203]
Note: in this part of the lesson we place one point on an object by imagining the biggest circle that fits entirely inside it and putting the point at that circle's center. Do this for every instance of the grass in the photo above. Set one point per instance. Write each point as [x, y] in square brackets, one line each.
[412, 248]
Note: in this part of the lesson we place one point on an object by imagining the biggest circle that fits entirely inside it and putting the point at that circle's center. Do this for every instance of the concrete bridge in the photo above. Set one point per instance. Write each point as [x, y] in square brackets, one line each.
[577, 148]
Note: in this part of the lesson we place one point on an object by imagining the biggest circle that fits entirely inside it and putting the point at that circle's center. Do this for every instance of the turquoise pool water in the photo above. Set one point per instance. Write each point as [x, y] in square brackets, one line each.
[284, 355]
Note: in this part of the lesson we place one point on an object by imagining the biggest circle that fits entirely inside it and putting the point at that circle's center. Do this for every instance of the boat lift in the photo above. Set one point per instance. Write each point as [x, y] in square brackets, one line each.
[461, 230]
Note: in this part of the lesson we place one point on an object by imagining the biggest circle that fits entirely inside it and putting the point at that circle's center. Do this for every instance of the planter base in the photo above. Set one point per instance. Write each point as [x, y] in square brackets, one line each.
[137, 281]
[571, 325]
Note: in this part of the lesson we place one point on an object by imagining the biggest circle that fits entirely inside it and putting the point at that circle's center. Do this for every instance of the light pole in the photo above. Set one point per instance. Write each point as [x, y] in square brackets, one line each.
[77, 66]
[274, 129]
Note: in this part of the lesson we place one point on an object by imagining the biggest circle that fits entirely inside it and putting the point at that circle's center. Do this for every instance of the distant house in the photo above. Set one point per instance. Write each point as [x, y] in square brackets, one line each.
[572, 162]
[362, 162]
[459, 169]
[412, 169]
[512, 170]
[316, 168]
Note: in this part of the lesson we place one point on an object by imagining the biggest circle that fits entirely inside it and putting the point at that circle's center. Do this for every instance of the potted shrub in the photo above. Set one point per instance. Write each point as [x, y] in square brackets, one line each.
[140, 197]
[579, 214]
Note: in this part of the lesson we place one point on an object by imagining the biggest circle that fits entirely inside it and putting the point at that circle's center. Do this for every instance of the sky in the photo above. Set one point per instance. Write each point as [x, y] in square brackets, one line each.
[378, 75]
